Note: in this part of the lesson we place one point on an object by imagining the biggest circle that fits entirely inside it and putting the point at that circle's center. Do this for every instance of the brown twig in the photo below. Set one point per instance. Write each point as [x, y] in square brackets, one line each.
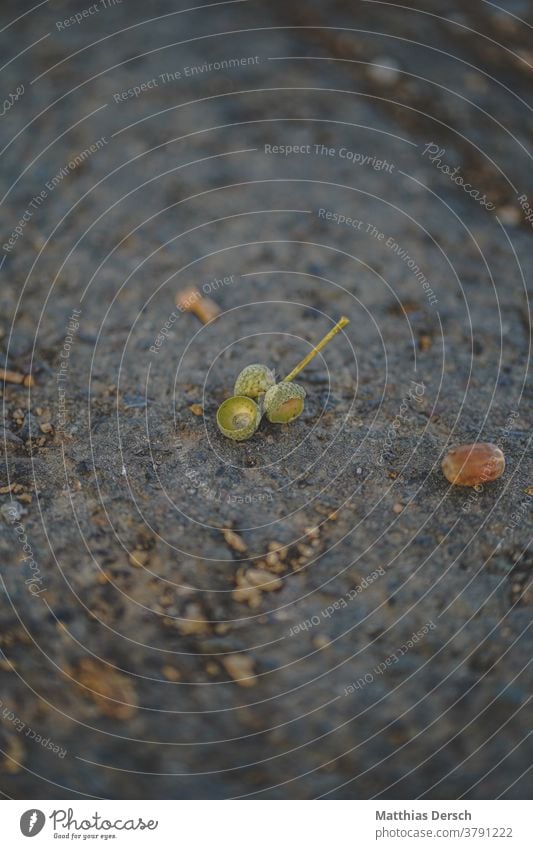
[16, 377]
[190, 300]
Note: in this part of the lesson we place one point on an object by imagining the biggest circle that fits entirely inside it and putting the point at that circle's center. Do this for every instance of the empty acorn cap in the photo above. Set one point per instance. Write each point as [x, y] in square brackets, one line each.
[254, 380]
[238, 417]
[284, 402]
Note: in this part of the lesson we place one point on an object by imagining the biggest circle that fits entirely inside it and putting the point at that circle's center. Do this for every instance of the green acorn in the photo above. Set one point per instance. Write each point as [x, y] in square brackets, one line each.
[238, 417]
[284, 402]
[254, 381]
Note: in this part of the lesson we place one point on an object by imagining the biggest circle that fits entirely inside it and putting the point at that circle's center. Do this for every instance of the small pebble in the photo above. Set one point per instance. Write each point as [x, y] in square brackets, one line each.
[384, 70]
[473, 464]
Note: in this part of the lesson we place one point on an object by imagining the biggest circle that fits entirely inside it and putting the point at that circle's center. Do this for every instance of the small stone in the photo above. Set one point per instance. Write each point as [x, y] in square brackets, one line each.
[384, 70]
[46, 427]
[196, 409]
[139, 558]
[193, 621]
[240, 667]
[263, 579]
[473, 464]
[171, 673]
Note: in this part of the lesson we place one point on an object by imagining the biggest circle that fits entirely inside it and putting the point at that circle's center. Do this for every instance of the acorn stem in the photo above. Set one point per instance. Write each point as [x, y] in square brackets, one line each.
[322, 344]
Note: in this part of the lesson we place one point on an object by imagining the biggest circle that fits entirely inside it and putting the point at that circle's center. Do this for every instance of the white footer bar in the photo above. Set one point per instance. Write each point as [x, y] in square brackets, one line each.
[267, 824]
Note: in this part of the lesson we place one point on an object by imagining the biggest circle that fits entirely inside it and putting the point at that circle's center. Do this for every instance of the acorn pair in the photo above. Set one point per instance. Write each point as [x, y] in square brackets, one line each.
[256, 392]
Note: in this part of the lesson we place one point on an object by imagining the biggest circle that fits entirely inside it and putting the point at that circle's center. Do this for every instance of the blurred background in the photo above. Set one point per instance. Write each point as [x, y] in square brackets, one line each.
[315, 612]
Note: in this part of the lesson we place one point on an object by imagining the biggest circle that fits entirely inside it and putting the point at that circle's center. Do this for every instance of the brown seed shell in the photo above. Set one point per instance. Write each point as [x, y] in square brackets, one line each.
[473, 464]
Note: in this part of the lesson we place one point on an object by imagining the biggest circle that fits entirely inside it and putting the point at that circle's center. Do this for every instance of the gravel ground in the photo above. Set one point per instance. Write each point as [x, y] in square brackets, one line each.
[313, 612]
